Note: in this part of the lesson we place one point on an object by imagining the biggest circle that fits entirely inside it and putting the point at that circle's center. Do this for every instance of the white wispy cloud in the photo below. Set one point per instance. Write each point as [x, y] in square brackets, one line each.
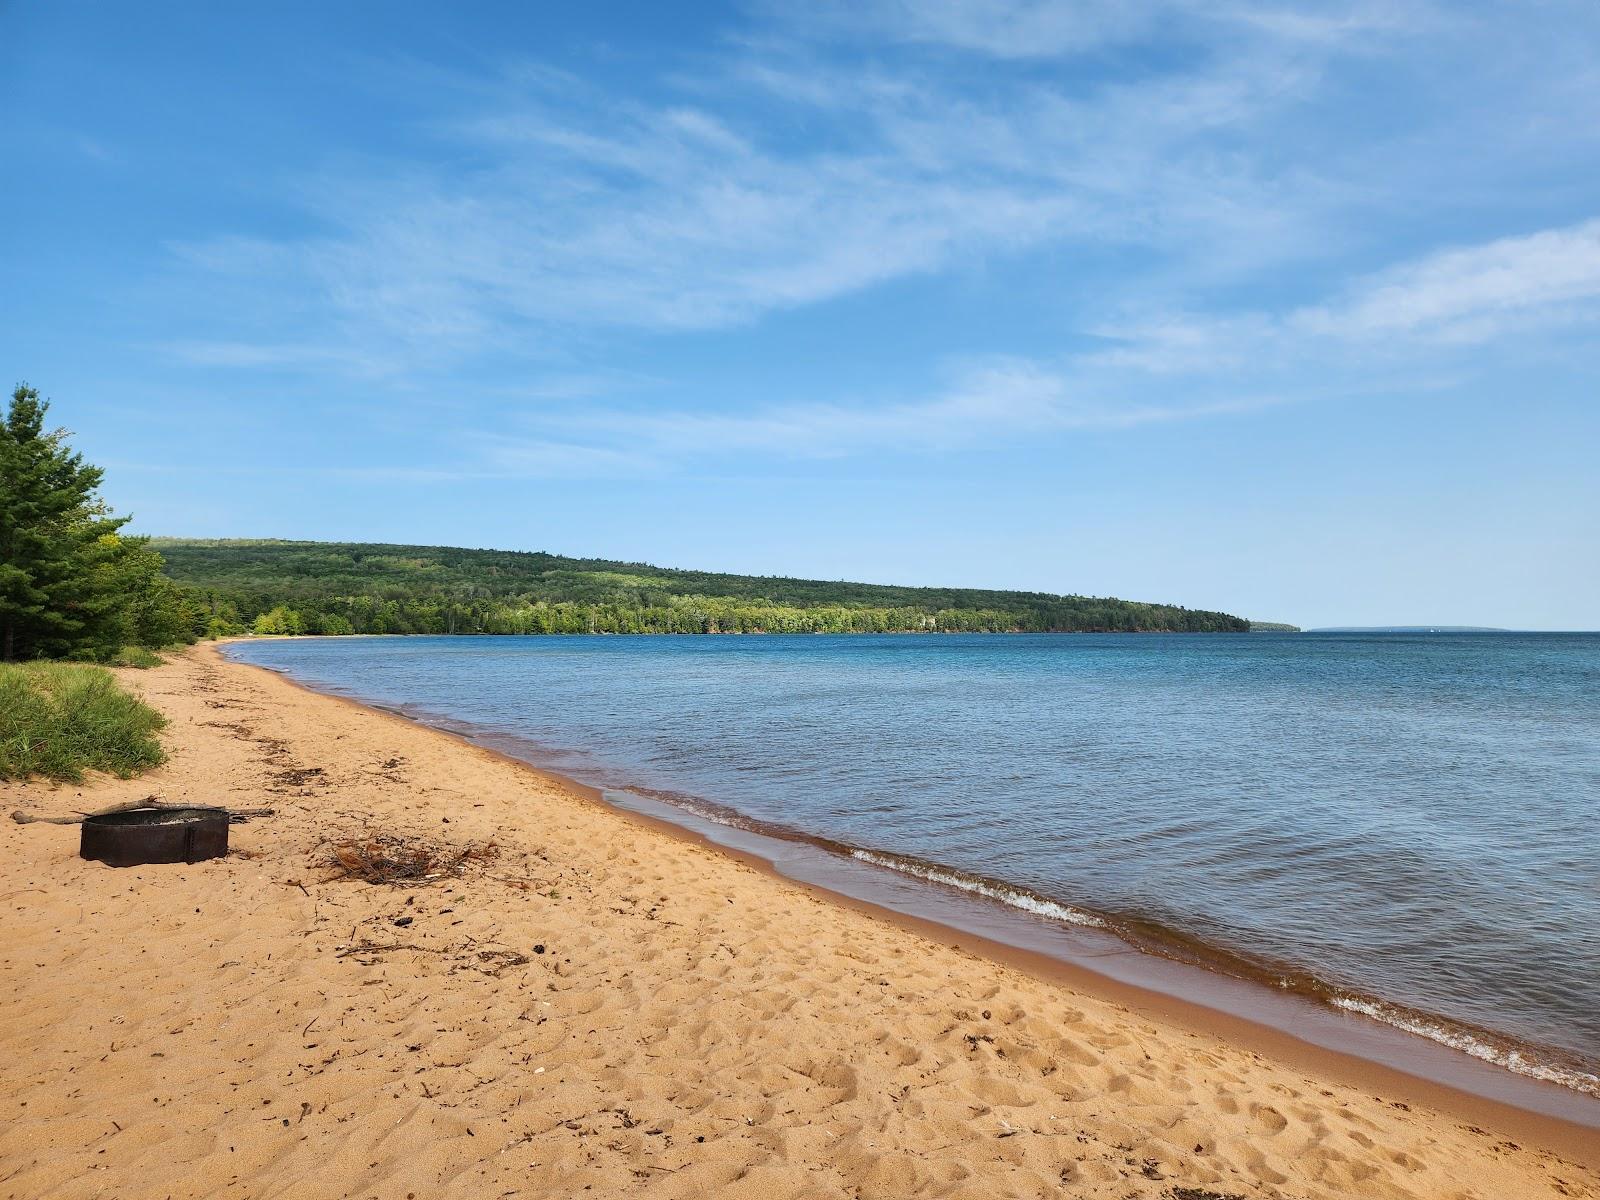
[503, 455]
[1004, 28]
[1471, 293]
[1229, 365]
[1461, 296]
[544, 218]
[582, 211]
[993, 402]
[298, 356]
[1032, 29]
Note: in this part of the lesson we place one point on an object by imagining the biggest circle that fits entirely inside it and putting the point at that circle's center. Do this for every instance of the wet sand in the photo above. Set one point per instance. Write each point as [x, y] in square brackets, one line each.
[694, 1025]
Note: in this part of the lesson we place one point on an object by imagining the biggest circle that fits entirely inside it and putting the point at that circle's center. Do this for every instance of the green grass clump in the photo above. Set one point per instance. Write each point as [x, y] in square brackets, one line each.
[62, 719]
[136, 656]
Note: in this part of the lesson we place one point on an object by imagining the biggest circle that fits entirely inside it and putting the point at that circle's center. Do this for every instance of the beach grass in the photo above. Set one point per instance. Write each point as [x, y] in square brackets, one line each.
[136, 656]
[59, 720]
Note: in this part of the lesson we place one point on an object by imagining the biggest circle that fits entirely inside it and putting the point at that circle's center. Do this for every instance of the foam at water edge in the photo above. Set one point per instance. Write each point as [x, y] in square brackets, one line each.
[1502, 1056]
[1010, 896]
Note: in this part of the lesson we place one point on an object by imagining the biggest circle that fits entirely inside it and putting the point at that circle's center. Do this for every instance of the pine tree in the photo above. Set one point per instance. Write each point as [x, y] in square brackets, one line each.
[58, 543]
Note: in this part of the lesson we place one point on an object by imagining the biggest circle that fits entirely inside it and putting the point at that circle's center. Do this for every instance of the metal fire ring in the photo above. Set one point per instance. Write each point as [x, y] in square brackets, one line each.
[155, 835]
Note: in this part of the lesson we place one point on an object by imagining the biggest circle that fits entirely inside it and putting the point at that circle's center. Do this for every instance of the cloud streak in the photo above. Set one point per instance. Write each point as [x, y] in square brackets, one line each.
[1173, 203]
[1460, 297]
[1036, 29]
[1232, 366]
[582, 213]
[1472, 293]
[992, 403]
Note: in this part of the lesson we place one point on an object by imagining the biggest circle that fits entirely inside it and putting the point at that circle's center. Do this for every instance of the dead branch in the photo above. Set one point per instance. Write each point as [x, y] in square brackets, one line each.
[25, 818]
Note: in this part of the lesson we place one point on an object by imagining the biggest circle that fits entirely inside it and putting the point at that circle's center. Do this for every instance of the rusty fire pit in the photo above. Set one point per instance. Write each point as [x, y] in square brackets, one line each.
[155, 835]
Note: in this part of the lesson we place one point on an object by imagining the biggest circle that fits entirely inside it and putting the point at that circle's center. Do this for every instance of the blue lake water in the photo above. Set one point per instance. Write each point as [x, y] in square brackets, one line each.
[1406, 826]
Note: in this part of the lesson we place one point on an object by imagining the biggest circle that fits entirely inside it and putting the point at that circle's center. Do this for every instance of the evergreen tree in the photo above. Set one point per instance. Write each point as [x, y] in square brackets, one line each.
[56, 537]
[71, 586]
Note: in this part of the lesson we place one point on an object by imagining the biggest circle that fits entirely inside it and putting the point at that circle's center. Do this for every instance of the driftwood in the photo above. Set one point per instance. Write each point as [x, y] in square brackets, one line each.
[23, 818]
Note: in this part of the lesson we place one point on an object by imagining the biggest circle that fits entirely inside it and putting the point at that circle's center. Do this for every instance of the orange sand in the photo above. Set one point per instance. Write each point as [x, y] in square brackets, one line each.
[696, 1026]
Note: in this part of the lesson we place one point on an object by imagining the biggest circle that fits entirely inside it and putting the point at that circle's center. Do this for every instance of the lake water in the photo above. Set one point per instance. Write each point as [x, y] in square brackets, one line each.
[1402, 826]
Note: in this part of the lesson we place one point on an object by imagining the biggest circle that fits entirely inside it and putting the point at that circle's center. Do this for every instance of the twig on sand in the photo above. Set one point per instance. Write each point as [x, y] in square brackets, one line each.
[26, 818]
[378, 948]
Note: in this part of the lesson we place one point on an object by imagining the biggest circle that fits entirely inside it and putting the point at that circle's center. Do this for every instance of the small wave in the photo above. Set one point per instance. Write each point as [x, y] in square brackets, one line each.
[716, 814]
[1508, 1057]
[1013, 897]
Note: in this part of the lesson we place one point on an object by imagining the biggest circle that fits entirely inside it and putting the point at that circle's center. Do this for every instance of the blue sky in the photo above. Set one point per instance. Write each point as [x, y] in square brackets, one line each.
[1289, 310]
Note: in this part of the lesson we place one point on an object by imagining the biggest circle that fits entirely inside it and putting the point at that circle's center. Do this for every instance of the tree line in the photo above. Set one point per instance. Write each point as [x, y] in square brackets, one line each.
[277, 587]
[74, 585]
[681, 614]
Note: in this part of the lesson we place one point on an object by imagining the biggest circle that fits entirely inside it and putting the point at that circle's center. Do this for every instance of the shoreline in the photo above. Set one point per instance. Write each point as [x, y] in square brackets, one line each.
[1100, 957]
[610, 1003]
[1576, 1115]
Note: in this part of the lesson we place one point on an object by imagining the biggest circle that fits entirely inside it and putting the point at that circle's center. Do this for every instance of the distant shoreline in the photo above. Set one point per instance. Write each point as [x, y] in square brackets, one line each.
[763, 633]
[274, 586]
[1419, 629]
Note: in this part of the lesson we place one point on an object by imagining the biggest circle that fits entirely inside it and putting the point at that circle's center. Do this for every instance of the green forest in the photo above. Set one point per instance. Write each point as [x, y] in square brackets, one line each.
[74, 585]
[284, 587]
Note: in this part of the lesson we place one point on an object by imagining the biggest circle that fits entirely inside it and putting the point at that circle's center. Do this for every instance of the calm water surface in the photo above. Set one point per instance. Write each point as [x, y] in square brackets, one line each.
[1406, 826]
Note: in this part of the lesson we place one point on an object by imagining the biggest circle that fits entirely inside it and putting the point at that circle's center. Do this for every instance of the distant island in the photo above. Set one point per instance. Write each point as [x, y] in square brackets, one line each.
[1409, 629]
[288, 587]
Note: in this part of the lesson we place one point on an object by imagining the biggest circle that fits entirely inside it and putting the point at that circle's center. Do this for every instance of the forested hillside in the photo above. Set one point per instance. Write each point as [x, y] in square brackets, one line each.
[336, 587]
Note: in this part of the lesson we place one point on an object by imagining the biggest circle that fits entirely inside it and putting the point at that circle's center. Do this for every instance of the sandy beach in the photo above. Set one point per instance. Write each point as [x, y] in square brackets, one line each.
[599, 1006]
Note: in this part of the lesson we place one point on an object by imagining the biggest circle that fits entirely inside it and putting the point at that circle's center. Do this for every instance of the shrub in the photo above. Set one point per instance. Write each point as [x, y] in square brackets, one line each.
[136, 656]
[61, 719]
[279, 620]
